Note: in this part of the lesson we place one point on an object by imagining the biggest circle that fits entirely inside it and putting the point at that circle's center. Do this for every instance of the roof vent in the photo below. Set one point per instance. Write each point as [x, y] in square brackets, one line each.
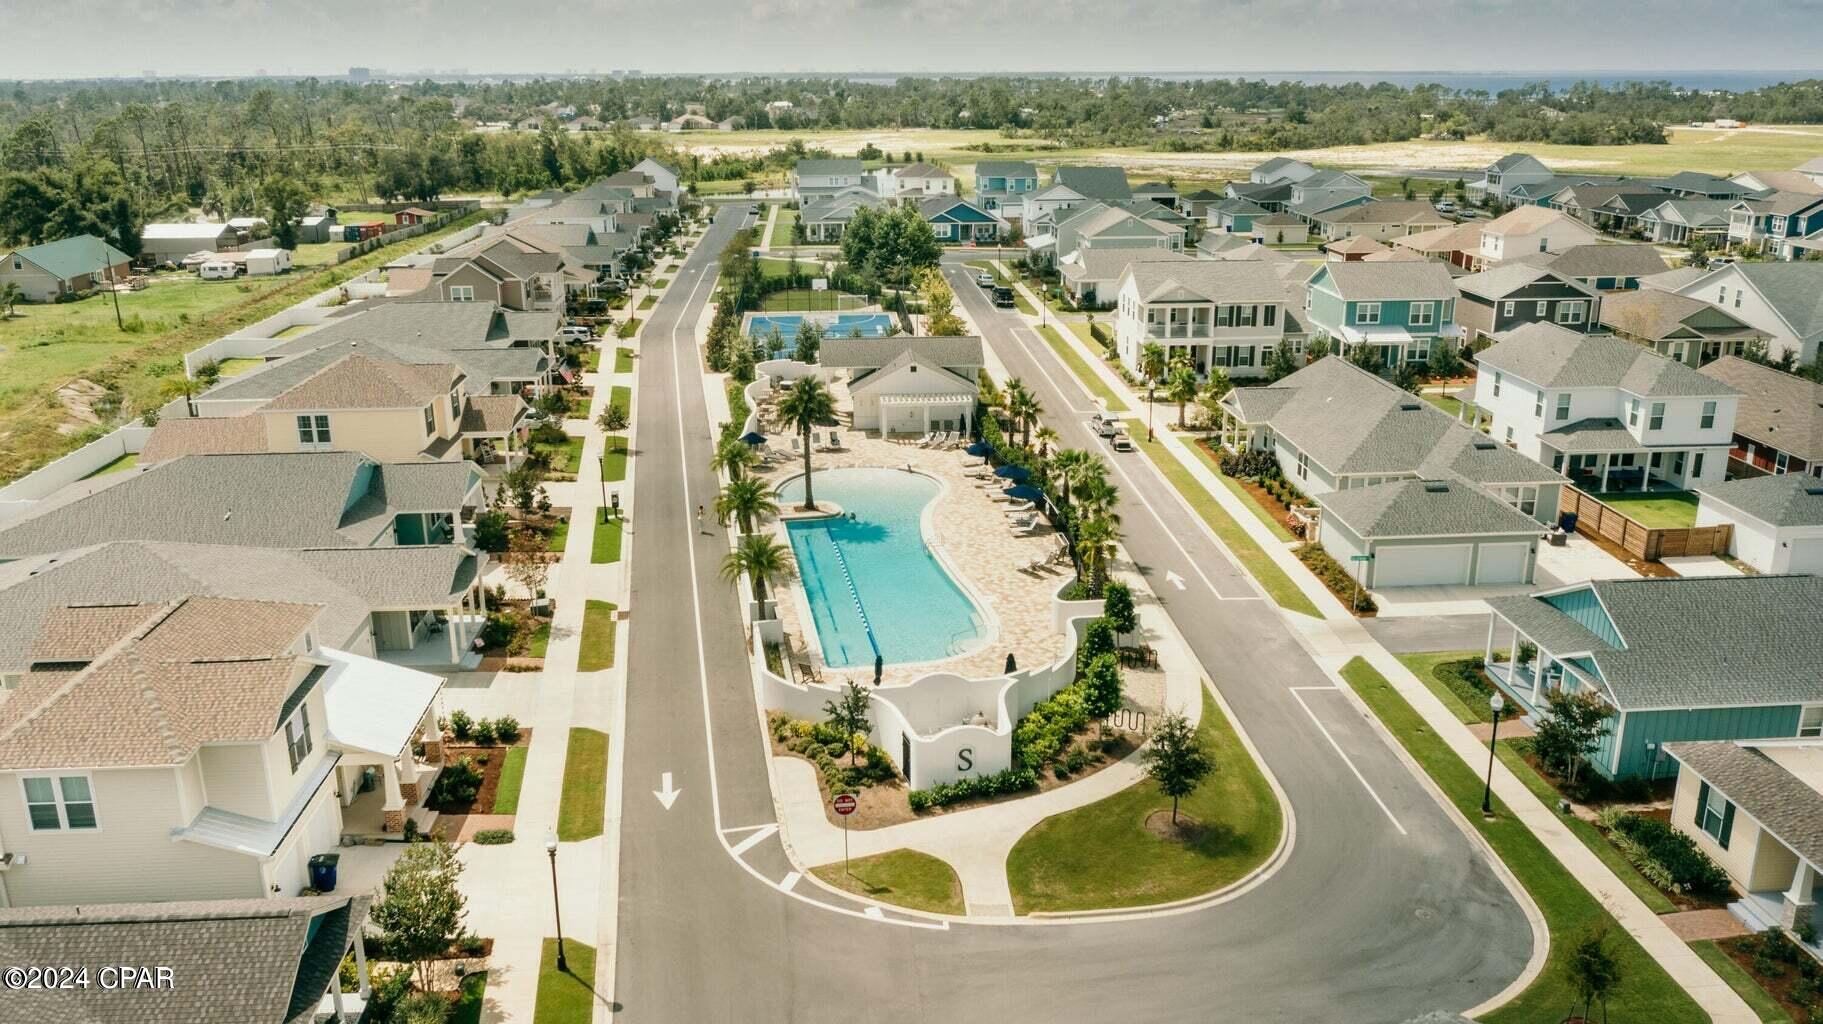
[1815, 492]
[1485, 444]
[1436, 486]
[1410, 406]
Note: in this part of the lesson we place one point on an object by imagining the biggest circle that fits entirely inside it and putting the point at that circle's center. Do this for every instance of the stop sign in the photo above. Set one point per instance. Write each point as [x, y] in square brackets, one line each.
[844, 803]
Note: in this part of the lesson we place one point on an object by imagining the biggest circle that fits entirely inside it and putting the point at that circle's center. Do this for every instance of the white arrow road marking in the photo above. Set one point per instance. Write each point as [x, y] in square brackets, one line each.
[667, 795]
[1174, 579]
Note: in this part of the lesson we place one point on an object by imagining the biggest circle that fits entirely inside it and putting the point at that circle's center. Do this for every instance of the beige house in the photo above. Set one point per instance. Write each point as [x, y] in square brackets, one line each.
[1531, 229]
[195, 749]
[69, 266]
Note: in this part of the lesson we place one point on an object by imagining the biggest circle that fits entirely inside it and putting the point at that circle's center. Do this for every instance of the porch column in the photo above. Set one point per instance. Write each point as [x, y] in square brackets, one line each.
[431, 736]
[455, 629]
[408, 776]
[1538, 679]
[1487, 652]
[365, 987]
[1607, 460]
[335, 989]
[1800, 899]
[393, 807]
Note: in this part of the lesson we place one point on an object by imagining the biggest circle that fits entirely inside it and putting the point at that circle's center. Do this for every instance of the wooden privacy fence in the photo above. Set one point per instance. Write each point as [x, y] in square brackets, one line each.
[1598, 519]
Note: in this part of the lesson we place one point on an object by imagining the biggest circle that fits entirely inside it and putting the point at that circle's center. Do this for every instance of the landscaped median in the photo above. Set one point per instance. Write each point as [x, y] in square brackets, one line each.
[1121, 852]
[1645, 992]
[1083, 371]
[1279, 586]
[904, 878]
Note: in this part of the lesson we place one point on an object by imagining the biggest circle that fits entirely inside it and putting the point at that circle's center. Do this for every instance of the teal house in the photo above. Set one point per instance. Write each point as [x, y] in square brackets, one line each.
[1690, 658]
[1402, 310]
[1001, 183]
[955, 219]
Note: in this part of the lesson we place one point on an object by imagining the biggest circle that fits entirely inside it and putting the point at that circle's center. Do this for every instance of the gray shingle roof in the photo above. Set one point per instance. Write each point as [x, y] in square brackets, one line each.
[1207, 280]
[1581, 261]
[1653, 314]
[231, 960]
[822, 168]
[1374, 281]
[1005, 169]
[1601, 434]
[1549, 356]
[1694, 641]
[1508, 278]
[1424, 508]
[1108, 184]
[1776, 408]
[873, 353]
[1790, 499]
[1794, 289]
[1784, 804]
[1107, 264]
[1389, 211]
[286, 500]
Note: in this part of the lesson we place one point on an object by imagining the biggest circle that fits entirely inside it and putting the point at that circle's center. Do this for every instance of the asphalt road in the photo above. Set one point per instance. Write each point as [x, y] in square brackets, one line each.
[1382, 909]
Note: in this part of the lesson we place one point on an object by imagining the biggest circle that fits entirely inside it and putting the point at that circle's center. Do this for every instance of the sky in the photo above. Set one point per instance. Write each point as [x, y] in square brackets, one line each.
[95, 38]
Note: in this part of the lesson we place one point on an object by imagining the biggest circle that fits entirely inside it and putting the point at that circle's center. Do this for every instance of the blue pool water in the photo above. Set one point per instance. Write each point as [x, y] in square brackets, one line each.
[872, 584]
[843, 325]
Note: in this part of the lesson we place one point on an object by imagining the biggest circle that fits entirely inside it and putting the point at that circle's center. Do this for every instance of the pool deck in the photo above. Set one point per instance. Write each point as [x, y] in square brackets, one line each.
[975, 545]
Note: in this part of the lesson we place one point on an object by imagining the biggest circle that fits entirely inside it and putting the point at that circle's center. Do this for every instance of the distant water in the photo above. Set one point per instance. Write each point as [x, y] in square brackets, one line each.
[1696, 81]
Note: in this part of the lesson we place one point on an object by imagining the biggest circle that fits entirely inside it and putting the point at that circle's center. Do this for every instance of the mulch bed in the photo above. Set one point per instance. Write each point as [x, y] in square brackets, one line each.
[1278, 510]
[1742, 951]
[490, 773]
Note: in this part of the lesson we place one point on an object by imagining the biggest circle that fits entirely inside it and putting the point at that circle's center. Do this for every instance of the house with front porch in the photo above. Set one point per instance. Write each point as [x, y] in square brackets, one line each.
[1404, 311]
[1039, 212]
[957, 220]
[1499, 301]
[197, 748]
[813, 178]
[825, 218]
[1773, 222]
[1498, 178]
[1752, 806]
[1097, 226]
[1272, 197]
[1090, 276]
[1675, 660]
[1607, 413]
[1780, 300]
[1215, 313]
[1779, 426]
[1691, 331]
[1679, 221]
[1607, 205]
[1326, 192]
[1002, 185]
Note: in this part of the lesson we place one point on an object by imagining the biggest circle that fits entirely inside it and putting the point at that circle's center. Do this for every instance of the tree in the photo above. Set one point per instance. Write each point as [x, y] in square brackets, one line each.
[809, 341]
[734, 455]
[1282, 363]
[10, 294]
[940, 306]
[1176, 759]
[421, 909]
[1101, 686]
[185, 387]
[745, 500]
[1568, 735]
[1073, 466]
[286, 202]
[1097, 640]
[807, 404]
[1180, 387]
[849, 713]
[762, 560]
[1117, 607]
[1316, 348]
[526, 565]
[209, 373]
[1152, 366]
[613, 418]
[1408, 378]
[1594, 970]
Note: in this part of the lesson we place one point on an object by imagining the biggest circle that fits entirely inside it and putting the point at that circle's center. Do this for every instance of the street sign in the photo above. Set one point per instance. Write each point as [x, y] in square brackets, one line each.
[1360, 558]
[844, 803]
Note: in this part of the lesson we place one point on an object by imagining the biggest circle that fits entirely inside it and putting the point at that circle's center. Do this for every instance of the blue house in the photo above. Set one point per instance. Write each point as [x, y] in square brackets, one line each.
[1691, 658]
[1004, 182]
[1403, 310]
[955, 219]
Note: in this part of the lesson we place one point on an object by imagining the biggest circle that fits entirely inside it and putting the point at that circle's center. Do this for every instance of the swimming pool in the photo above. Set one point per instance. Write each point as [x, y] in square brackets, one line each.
[872, 584]
[841, 325]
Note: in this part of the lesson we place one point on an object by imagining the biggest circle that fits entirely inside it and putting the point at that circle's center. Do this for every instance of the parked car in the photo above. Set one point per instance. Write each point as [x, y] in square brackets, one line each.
[1446, 206]
[1104, 424]
[985, 279]
[1003, 297]
[576, 332]
[1121, 443]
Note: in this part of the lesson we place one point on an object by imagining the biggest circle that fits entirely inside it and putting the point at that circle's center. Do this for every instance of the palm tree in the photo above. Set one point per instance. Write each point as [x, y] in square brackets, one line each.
[1180, 386]
[1046, 437]
[762, 559]
[1013, 399]
[1073, 466]
[734, 455]
[807, 405]
[185, 387]
[1095, 536]
[747, 499]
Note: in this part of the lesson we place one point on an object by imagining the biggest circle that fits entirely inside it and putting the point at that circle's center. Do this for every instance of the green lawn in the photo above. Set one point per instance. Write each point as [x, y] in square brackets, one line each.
[560, 536]
[904, 878]
[597, 637]
[621, 397]
[118, 465]
[1103, 855]
[1660, 510]
[1083, 371]
[1023, 304]
[585, 781]
[565, 457]
[236, 367]
[541, 641]
[623, 360]
[470, 1000]
[1448, 403]
[810, 301]
[659, 284]
[1646, 992]
[1248, 552]
[1758, 999]
[512, 777]
[605, 545]
[1234, 487]
[1446, 674]
[648, 302]
[591, 360]
[566, 998]
[614, 458]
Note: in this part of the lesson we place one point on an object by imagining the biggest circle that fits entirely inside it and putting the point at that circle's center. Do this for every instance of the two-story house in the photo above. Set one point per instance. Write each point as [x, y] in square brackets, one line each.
[1039, 213]
[1607, 413]
[1775, 221]
[813, 178]
[1691, 331]
[1495, 302]
[1278, 170]
[505, 273]
[1531, 229]
[914, 182]
[1780, 300]
[1779, 428]
[1326, 192]
[1403, 311]
[1604, 268]
[1002, 185]
[1233, 215]
[195, 749]
[1498, 178]
[1096, 226]
[1214, 313]
[1381, 220]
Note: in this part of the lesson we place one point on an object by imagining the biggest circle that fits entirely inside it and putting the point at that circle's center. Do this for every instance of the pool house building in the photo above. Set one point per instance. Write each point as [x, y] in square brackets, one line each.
[907, 384]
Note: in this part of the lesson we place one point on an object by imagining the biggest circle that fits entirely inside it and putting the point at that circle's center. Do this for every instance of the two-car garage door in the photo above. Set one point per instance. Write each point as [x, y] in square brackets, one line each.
[1420, 565]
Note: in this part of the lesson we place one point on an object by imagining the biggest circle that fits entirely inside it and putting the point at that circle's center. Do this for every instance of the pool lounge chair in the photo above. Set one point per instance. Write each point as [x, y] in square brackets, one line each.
[1020, 508]
[924, 442]
[1025, 522]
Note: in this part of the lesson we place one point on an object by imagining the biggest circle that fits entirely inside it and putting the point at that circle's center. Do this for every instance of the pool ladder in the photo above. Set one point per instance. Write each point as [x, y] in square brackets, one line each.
[855, 596]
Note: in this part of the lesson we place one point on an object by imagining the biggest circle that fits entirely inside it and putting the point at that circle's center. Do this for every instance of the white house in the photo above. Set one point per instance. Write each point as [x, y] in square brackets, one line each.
[664, 177]
[1605, 412]
[1778, 299]
[1532, 229]
[1777, 520]
[813, 178]
[914, 181]
[907, 384]
[1280, 169]
[1215, 313]
[1500, 177]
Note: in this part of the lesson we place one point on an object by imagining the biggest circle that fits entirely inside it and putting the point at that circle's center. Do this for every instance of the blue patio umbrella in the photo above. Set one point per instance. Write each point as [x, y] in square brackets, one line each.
[1024, 492]
[980, 449]
[753, 437]
[1012, 472]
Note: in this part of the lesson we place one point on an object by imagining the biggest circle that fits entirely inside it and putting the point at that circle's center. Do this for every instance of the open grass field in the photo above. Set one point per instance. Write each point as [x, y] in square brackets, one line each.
[1108, 853]
[44, 347]
[1717, 151]
[582, 804]
[904, 878]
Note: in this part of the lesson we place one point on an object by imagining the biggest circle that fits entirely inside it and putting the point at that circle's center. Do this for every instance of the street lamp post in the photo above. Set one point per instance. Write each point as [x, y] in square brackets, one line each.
[550, 847]
[1498, 704]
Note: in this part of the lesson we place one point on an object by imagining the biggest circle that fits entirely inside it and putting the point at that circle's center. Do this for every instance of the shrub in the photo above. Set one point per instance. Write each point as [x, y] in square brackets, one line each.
[484, 732]
[1250, 463]
[458, 783]
[1043, 732]
[461, 724]
[1667, 858]
[1339, 581]
[499, 629]
[507, 728]
[1013, 780]
[1097, 640]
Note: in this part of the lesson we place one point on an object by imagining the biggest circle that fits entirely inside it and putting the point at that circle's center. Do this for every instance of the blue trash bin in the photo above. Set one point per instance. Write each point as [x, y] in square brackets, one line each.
[322, 871]
[1567, 521]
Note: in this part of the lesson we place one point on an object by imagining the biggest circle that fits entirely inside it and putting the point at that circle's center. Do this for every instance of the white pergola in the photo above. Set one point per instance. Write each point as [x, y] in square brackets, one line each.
[960, 405]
